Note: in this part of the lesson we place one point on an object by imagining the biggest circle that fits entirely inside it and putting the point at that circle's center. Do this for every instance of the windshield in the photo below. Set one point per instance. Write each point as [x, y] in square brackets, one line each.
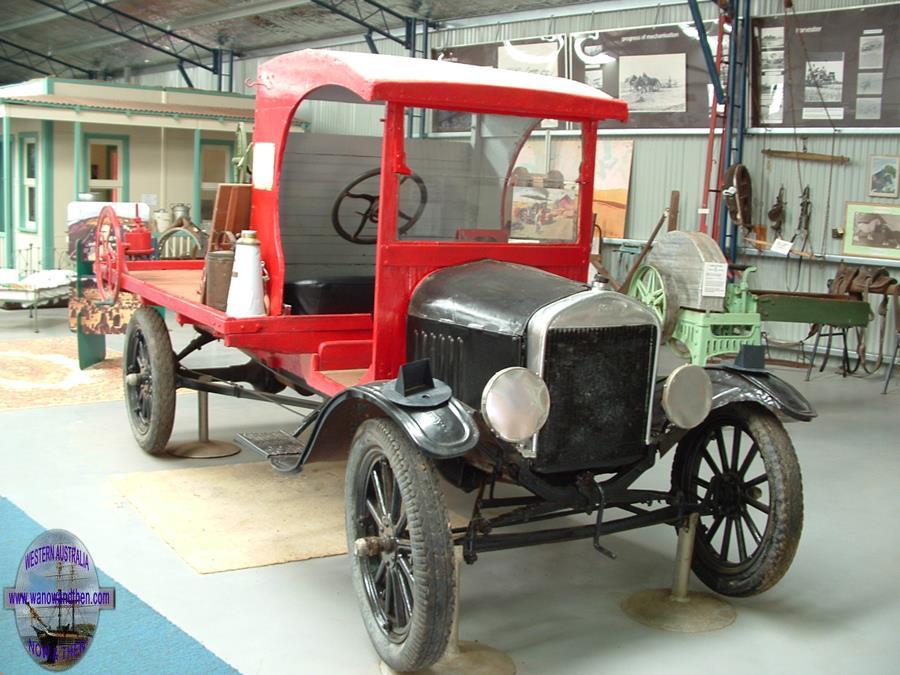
[495, 182]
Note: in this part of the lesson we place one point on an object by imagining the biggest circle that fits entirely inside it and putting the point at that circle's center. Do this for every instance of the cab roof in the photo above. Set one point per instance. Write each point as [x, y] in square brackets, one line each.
[427, 83]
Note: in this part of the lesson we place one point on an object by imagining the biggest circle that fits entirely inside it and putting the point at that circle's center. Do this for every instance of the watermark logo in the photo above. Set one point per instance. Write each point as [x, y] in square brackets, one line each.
[57, 599]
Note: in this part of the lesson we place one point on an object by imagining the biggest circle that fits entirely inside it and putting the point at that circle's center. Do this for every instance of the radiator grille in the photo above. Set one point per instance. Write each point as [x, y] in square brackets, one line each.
[446, 354]
[600, 382]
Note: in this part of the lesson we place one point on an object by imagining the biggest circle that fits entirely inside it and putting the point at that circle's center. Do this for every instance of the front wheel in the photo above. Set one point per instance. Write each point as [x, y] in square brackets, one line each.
[398, 535]
[148, 367]
[740, 466]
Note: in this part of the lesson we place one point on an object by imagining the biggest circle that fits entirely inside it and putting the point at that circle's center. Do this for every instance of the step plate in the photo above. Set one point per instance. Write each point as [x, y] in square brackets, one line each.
[270, 444]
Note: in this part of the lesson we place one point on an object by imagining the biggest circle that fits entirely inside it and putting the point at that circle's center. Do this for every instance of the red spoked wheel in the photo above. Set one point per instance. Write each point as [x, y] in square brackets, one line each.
[109, 254]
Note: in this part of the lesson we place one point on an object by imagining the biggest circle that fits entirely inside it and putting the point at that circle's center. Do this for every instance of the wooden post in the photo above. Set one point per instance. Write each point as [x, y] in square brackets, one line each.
[674, 198]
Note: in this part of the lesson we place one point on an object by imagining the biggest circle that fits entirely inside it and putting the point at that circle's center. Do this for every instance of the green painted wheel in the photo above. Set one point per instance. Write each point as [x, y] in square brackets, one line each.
[652, 288]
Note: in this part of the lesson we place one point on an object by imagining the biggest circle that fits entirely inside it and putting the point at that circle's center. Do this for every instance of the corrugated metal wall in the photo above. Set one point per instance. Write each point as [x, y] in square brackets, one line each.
[663, 163]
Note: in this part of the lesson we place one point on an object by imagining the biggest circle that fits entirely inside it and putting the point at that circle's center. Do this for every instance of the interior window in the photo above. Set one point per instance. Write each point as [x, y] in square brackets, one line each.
[106, 171]
[29, 184]
[496, 183]
[215, 168]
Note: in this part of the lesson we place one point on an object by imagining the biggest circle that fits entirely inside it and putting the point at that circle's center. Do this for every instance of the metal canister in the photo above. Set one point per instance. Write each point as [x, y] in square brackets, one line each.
[246, 296]
[218, 278]
[180, 211]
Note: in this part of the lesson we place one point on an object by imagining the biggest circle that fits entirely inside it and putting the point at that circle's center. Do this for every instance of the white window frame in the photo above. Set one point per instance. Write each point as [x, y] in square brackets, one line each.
[117, 184]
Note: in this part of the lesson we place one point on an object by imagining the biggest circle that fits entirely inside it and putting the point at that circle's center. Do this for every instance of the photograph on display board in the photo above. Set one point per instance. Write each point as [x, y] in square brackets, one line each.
[872, 230]
[541, 58]
[824, 77]
[772, 96]
[871, 51]
[594, 78]
[771, 38]
[883, 176]
[653, 83]
[868, 108]
[773, 60]
[869, 84]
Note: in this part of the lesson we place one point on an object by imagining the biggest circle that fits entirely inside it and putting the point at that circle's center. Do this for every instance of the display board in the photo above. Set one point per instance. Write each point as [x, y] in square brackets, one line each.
[820, 69]
[540, 55]
[658, 70]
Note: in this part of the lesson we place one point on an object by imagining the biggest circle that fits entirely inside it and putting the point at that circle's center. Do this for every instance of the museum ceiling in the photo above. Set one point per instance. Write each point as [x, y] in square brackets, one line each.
[240, 25]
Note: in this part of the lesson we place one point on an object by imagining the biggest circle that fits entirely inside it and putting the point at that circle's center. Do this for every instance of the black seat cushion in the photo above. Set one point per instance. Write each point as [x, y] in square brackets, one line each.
[331, 295]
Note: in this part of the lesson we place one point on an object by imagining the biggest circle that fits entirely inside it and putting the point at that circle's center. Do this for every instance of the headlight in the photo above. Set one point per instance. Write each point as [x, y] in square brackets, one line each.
[687, 396]
[515, 404]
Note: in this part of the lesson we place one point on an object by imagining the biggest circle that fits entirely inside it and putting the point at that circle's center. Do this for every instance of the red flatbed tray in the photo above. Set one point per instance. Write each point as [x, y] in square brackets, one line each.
[175, 284]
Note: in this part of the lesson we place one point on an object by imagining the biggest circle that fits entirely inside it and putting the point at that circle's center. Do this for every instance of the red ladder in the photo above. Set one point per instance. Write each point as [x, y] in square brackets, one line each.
[717, 123]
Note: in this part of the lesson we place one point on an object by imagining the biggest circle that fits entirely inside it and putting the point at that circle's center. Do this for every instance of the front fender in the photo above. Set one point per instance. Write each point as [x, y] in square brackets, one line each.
[444, 431]
[731, 386]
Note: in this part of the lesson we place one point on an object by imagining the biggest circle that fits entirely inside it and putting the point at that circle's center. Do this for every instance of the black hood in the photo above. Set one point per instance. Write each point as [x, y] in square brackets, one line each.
[489, 295]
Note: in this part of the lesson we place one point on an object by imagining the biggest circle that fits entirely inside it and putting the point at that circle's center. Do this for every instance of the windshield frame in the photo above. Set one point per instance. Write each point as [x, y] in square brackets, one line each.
[394, 166]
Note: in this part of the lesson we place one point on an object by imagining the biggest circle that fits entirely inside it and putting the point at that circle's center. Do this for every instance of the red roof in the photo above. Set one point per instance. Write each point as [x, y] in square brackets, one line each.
[435, 84]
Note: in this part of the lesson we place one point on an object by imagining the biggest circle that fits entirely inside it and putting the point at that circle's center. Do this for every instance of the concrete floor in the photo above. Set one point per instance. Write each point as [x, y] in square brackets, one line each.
[554, 608]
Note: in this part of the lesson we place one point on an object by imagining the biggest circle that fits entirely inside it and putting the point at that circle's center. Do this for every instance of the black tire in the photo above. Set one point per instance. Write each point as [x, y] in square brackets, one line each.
[148, 373]
[750, 488]
[413, 633]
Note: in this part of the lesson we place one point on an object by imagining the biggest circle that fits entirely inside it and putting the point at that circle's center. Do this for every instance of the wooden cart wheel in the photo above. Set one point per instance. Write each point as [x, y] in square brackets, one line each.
[109, 254]
[653, 288]
[148, 372]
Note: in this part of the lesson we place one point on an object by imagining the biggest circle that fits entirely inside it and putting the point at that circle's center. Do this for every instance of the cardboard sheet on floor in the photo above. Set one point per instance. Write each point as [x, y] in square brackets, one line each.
[236, 516]
[41, 372]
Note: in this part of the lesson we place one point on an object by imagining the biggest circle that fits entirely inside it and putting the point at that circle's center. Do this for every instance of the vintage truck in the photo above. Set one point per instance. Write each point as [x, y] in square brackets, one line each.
[433, 292]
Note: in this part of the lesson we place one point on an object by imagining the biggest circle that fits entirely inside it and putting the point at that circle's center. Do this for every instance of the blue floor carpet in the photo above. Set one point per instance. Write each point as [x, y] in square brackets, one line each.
[132, 638]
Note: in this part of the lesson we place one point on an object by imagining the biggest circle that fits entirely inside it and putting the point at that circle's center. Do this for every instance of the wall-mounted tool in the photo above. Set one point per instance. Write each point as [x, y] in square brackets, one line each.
[776, 213]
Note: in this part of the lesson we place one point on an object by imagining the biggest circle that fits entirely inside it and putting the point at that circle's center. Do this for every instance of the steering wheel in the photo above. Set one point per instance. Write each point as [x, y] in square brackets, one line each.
[369, 214]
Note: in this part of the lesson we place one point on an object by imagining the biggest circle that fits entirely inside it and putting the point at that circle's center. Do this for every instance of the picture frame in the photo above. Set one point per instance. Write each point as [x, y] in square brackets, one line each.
[882, 176]
[872, 230]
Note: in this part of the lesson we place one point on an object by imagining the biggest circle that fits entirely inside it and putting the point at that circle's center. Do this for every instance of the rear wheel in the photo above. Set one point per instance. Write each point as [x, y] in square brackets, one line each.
[741, 466]
[398, 535]
[148, 368]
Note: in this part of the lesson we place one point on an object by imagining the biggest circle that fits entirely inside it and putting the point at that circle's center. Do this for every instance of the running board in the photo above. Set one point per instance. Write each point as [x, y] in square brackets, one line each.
[281, 449]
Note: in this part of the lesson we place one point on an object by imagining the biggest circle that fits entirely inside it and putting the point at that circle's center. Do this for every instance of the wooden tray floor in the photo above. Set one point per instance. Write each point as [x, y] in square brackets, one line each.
[182, 283]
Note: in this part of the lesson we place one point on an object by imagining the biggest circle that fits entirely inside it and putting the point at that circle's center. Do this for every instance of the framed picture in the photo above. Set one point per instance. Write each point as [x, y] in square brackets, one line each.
[872, 230]
[883, 176]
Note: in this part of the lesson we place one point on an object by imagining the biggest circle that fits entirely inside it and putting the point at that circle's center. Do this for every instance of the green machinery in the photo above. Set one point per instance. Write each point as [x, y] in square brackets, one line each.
[703, 333]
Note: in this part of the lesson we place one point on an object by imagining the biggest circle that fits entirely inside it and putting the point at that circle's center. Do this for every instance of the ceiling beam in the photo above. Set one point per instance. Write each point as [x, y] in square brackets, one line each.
[129, 27]
[40, 63]
[181, 23]
[35, 19]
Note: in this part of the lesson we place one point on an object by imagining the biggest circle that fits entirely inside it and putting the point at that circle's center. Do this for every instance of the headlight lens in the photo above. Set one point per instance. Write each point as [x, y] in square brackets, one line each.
[515, 404]
[687, 396]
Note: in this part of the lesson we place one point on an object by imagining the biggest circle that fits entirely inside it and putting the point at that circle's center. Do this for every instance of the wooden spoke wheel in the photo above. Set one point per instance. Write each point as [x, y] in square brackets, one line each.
[740, 466]
[148, 371]
[109, 254]
[399, 539]
[653, 288]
